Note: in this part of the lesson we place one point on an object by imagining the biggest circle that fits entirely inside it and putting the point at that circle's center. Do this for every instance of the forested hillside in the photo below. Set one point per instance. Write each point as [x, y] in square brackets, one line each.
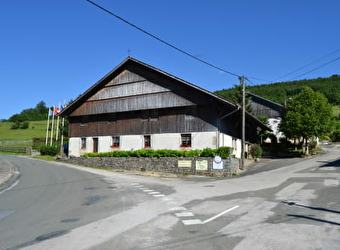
[39, 113]
[281, 91]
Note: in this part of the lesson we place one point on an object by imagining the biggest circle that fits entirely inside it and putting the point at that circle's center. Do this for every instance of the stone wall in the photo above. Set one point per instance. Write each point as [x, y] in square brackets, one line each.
[169, 165]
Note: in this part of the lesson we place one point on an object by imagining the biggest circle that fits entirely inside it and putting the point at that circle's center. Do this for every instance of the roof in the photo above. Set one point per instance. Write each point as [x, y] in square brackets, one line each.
[131, 62]
[265, 100]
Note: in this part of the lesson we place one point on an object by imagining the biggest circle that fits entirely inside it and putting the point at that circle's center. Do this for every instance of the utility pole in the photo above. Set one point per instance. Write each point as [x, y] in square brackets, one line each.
[243, 145]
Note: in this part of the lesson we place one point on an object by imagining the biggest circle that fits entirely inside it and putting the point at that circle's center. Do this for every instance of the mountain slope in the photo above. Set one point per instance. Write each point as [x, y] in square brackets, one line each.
[281, 91]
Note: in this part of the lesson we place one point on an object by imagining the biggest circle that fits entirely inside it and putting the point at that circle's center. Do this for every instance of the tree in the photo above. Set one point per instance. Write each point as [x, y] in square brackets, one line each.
[237, 98]
[41, 108]
[33, 114]
[308, 116]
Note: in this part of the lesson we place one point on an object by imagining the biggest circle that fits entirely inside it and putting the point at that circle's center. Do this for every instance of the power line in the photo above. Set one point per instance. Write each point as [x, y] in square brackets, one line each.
[309, 64]
[163, 41]
[247, 79]
[323, 65]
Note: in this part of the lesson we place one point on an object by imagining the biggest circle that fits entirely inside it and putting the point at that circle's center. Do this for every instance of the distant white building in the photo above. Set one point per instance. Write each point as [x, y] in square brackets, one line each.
[272, 110]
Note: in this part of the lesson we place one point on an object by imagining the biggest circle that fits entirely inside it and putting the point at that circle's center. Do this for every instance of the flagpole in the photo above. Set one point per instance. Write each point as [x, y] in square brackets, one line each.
[62, 137]
[62, 132]
[57, 130]
[52, 127]
[47, 125]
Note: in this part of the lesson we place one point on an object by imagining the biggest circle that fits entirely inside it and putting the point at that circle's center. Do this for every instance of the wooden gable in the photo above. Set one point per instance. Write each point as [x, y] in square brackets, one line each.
[265, 107]
[131, 92]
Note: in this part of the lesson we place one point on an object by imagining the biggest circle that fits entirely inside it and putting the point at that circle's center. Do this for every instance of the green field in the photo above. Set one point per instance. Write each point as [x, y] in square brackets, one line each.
[22, 137]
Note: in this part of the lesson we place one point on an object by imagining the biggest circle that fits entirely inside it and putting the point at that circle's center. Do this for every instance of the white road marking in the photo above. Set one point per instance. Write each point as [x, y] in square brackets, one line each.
[10, 187]
[184, 214]
[199, 222]
[220, 214]
[148, 190]
[192, 222]
[328, 168]
[155, 192]
[178, 209]
[158, 195]
[331, 183]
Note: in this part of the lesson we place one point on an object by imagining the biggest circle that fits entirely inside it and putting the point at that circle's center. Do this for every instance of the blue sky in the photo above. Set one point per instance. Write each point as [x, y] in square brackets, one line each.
[53, 51]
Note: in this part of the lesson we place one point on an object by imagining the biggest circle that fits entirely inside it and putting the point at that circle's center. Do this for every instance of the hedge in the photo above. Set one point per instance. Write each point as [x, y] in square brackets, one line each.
[224, 152]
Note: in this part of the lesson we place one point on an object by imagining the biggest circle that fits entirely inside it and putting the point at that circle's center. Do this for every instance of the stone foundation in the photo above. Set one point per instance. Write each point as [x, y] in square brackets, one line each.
[169, 165]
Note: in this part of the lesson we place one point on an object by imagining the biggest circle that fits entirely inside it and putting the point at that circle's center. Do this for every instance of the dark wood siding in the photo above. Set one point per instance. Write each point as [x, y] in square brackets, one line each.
[265, 107]
[179, 120]
[139, 94]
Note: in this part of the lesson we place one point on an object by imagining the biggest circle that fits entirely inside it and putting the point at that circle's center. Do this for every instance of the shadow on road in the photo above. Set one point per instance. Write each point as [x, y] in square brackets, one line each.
[313, 208]
[312, 218]
[330, 164]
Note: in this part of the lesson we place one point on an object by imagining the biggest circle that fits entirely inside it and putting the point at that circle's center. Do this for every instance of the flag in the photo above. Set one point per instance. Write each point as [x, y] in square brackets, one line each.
[62, 107]
[56, 111]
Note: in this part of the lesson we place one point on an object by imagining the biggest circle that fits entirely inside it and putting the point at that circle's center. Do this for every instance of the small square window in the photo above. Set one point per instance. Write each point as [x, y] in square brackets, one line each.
[115, 141]
[147, 141]
[83, 142]
[186, 140]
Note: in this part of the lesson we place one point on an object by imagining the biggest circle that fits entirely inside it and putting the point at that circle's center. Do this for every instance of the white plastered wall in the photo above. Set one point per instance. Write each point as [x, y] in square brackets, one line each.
[165, 141]
[200, 140]
[204, 140]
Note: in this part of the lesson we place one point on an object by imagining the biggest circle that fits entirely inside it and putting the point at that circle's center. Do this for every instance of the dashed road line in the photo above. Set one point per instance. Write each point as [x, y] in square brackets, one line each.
[148, 190]
[154, 192]
[192, 222]
[158, 195]
[178, 209]
[182, 212]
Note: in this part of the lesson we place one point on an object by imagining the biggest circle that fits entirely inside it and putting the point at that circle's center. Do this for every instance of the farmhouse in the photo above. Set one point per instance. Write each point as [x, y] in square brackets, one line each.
[273, 110]
[139, 106]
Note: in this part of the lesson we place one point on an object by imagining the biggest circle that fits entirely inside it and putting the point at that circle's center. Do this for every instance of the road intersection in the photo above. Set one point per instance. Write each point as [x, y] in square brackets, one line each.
[289, 206]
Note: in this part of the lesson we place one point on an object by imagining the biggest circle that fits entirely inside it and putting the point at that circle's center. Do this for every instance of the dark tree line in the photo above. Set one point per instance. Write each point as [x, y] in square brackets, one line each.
[38, 113]
[280, 92]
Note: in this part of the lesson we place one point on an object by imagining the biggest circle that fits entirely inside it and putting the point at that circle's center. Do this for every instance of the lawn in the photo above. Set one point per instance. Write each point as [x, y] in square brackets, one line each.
[22, 137]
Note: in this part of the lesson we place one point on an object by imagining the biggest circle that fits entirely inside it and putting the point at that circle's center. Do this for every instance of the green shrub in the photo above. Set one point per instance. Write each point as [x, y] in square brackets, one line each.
[38, 142]
[24, 125]
[192, 153]
[49, 150]
[256, 151]
[15, 125]
[142, 153]
[208, 152]
[224, 152]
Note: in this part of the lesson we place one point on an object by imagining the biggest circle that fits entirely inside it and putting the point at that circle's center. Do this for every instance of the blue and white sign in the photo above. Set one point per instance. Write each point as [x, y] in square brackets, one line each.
[217, 163]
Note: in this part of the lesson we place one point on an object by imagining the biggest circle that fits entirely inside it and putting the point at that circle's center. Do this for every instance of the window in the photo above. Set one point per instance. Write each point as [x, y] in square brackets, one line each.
[147, 141]
[83, 142]
[115, 142]
[234, 144]
[186, 140]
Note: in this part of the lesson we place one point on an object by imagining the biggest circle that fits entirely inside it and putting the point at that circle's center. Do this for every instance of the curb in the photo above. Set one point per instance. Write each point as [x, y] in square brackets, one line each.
[9, 175]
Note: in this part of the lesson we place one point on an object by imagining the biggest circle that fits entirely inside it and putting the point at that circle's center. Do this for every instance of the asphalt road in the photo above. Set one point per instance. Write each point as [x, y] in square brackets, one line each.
[291, 204]
[49, 200]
